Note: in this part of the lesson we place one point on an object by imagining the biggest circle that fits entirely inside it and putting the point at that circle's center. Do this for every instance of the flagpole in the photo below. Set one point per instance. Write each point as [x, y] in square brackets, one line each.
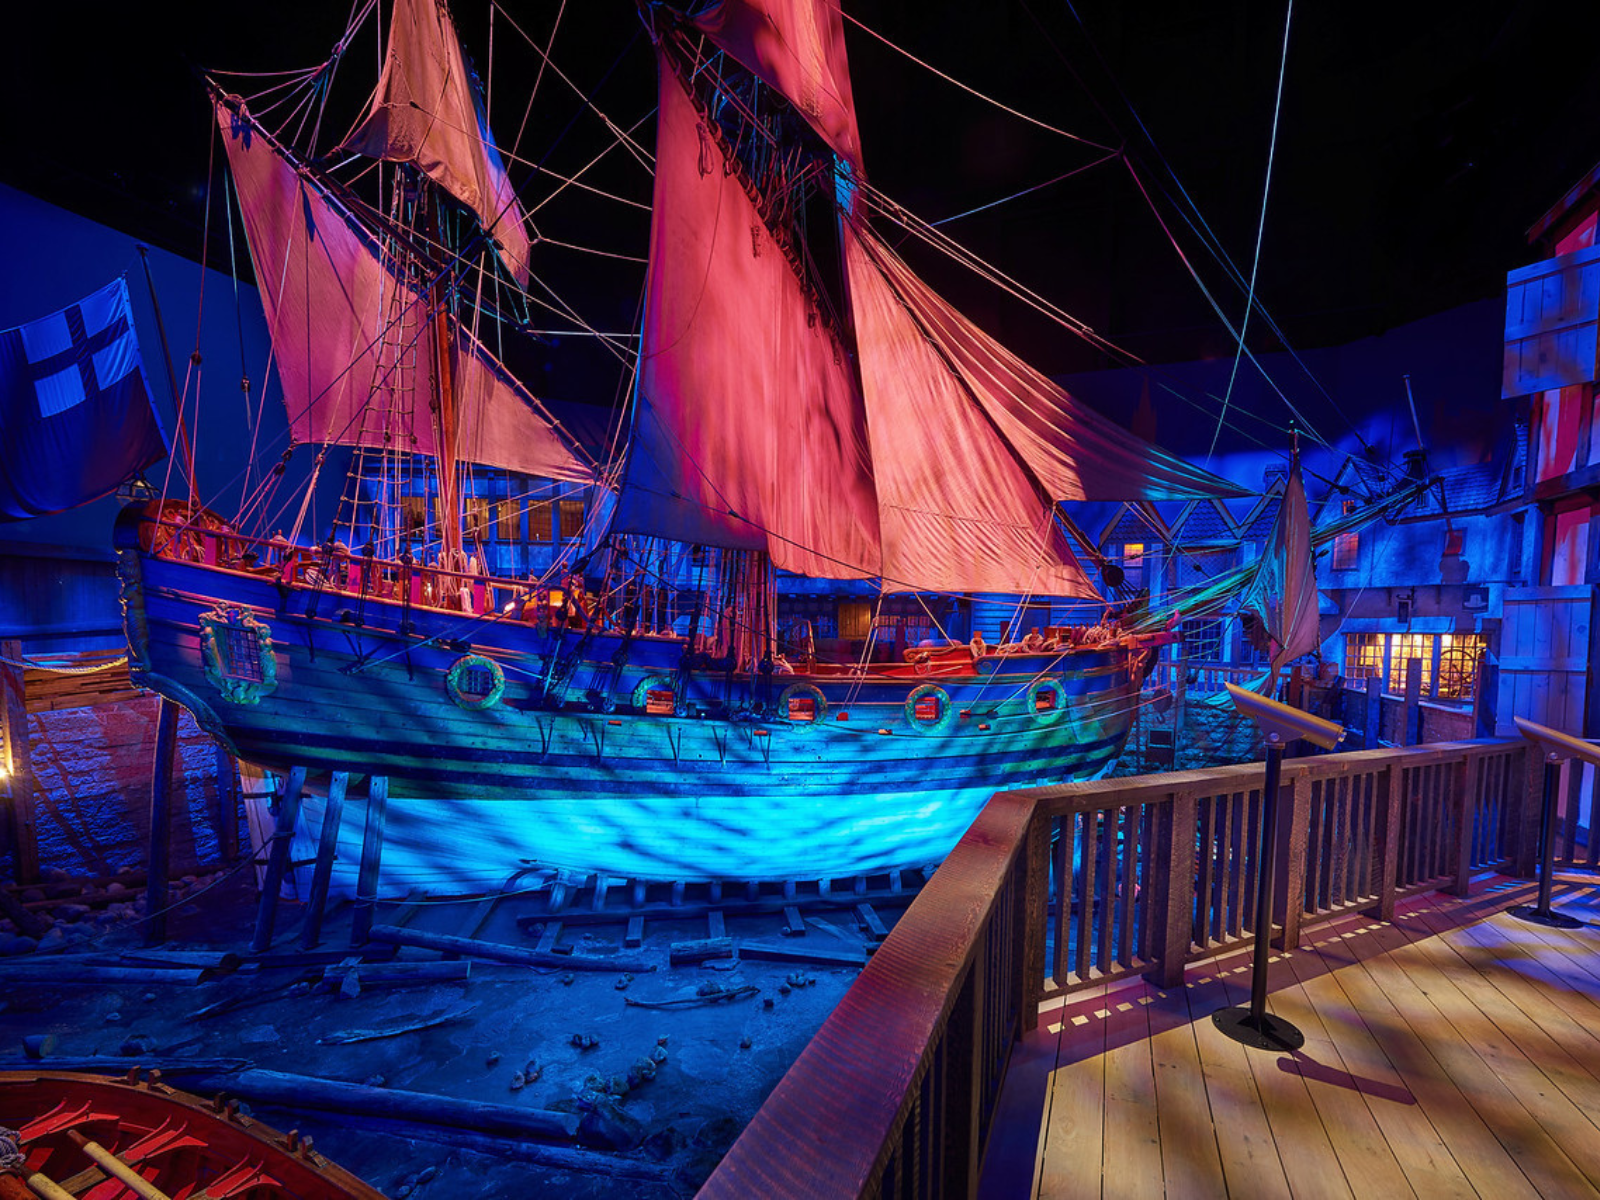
[185, 450]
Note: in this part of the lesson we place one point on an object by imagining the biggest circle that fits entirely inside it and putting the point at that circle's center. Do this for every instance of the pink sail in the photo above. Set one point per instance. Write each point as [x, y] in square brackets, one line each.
[958, 510]
[798, 49]
[426, 111]
[1074, 452]
[749, 431]
[354, 345]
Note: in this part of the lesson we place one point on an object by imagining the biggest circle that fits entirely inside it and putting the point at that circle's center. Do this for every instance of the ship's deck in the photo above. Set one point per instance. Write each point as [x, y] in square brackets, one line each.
[1455, 1052]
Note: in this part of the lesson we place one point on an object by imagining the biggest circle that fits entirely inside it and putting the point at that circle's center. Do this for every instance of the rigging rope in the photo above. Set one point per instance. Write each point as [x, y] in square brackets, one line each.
[972, 91]
[1261, 226]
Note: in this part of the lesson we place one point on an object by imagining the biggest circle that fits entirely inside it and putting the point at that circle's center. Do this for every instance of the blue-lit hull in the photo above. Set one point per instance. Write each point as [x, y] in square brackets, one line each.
[578, 776]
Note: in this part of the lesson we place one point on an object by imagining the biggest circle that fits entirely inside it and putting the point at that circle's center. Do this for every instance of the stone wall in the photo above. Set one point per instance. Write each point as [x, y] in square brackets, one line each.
[91, 797]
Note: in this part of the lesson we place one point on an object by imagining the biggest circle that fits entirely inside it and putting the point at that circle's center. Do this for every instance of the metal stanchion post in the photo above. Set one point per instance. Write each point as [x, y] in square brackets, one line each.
[1556, 748]
[1280, 724]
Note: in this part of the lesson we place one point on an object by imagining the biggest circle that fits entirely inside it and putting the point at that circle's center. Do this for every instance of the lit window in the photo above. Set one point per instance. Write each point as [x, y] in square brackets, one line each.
[508, 520]
[1458, 664]
[1363, 656]
[1133, 563]
[541, 527]
[571, 520]
[1403, 647]
[477, 522]
[1346, 546]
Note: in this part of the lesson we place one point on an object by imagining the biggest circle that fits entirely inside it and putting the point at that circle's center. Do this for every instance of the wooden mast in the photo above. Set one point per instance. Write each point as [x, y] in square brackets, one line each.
[444, 400]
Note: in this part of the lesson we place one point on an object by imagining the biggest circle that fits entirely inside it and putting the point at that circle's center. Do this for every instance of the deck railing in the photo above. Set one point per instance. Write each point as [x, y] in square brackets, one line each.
[1056, 889]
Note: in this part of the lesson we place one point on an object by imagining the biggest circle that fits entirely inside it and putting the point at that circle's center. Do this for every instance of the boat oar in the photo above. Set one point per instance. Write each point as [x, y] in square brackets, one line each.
[114, 1166]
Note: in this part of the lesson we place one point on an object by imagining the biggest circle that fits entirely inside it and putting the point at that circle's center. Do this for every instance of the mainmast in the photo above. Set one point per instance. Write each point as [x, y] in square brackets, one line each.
[442, 403]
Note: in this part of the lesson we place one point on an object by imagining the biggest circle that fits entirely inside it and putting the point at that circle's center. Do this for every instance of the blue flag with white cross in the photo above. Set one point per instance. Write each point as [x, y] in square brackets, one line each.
[75, 412]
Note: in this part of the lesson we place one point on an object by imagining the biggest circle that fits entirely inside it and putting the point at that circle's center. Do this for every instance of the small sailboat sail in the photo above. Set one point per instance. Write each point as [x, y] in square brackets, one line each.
[352, 332]
[1283, 593]
[426, 111]
[74, 407]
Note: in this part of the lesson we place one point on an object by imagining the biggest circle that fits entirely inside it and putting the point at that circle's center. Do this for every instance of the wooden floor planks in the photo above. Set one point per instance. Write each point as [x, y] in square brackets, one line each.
[1454, 1053]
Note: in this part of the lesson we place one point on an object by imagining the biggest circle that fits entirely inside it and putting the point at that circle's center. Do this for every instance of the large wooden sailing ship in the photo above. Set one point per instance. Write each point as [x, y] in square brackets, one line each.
[803, 403]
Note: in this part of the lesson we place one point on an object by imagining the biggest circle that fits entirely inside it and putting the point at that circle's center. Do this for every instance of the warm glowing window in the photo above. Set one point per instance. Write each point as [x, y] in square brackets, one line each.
[540, 527]
[1133, 563]
[508, 520]
[571, 520]
[1363, 656]
[477, 518]
[1403, 647]
[1458, 664]
[855, 618]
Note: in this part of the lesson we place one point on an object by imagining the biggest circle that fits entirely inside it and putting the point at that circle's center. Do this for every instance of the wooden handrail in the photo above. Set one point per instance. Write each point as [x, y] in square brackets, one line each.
[1128, 875]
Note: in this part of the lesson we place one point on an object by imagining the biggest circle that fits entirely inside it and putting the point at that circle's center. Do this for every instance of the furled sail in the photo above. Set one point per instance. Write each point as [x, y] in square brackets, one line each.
[353, 341]
[426, 111]
[749, 431]
[1283, 593]
[74, 407]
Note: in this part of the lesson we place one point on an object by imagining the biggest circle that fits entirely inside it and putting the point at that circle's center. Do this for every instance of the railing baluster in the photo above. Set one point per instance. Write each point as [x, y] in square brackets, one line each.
[1061, 864]
[1293, 833]
[1129, 883]
[1218, 891]
[1207, 868]
[1084, 879]
[1235, 926]
[1107, 862]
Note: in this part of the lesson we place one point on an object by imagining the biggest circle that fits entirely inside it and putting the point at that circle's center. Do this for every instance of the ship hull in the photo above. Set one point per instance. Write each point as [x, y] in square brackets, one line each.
[563, 768]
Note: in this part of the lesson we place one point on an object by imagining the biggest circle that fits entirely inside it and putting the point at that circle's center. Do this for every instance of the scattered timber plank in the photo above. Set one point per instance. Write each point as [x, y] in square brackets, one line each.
[869, 923]
[392, 974]
[301, 1092]
[345, 1037]
[53, 973]
[317, 958]
[634, 937]
[512, 1147]
[820, 956]
[548, 940]
[717, 997]
[794, 925]
[700, 950]
[500, 953]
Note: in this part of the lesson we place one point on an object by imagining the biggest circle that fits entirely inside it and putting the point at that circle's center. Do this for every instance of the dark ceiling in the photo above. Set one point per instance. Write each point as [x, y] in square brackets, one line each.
[1417, 141]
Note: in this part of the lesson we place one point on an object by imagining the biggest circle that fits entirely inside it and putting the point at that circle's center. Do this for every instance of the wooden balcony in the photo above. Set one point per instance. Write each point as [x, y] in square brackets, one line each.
[1039, 1021]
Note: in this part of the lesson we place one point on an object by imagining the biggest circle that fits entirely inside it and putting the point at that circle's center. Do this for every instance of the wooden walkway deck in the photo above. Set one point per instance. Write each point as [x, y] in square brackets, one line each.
[1455, 1052]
